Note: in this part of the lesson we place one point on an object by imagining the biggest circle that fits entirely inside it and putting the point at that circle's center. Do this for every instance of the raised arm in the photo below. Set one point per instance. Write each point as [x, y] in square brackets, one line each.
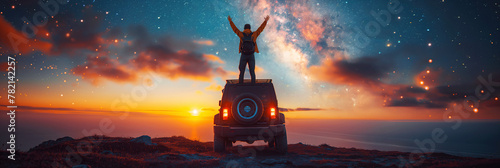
[262, 26]
[235, 29]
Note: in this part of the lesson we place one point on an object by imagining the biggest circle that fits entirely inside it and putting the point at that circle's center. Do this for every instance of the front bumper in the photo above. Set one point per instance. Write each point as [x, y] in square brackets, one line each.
[249, 133]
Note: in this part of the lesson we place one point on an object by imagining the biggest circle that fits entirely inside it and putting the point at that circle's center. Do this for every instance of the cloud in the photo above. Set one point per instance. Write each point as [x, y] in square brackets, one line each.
[438, 96]
[87, 35]
[371, 73]
[367, 72]
[259, 69]
[213, 58]
[13, 41]
[214, 87]
[61, 110]
[427, 90]
[171, 58]
[204, 42]
[59, 36]
[114, 54]
[282, 109]
[174, 65]
[98, 69]
[4, 66]
[414, 102]
[163, 55]
[364, 71]
[491, 103]
[144, 53]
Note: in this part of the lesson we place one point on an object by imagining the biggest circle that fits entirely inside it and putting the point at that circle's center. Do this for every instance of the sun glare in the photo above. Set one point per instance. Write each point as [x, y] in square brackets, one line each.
[194, 112]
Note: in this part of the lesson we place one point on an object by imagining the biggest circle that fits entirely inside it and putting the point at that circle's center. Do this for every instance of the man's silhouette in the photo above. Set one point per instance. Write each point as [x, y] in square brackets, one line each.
[248, 47]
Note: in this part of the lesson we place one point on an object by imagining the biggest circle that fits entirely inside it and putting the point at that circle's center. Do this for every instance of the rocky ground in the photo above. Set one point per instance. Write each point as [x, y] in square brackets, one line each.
[98, 151]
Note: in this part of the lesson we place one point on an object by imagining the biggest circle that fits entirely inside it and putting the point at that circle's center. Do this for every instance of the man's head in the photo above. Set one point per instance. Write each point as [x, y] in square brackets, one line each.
[247, 26]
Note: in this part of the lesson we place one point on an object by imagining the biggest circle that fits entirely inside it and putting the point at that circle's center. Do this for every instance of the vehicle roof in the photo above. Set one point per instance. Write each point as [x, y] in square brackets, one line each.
[236, 81]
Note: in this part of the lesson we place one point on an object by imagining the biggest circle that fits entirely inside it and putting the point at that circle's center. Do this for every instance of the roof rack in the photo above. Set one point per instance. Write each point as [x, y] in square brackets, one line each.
[236, 81]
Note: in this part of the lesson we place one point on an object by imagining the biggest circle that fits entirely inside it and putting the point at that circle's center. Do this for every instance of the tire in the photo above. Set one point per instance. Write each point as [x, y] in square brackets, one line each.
[281, 143]
[247, 109]
[219, 144]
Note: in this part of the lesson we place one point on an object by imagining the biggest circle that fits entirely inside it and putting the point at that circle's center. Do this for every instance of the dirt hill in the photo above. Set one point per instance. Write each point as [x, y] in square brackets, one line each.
[99, 151]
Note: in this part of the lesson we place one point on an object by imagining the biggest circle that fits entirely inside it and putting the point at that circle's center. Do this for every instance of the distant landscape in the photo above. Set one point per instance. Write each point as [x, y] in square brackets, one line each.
[475, 138]
[178, 151]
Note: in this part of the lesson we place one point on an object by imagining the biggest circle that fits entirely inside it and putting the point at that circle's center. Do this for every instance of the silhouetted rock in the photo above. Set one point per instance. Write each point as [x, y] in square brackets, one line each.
[64, 139]
[143, 139]
[50, 143]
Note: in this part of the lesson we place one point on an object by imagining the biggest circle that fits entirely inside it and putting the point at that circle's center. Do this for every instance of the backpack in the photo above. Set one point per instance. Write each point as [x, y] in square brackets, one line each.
[248, 46]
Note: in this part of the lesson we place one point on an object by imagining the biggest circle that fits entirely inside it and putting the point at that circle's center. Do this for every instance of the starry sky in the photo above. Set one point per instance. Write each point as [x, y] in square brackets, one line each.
[328, 59]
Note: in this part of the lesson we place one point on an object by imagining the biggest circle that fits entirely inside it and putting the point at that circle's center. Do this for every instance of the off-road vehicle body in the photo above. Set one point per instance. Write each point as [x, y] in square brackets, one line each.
[249, 112]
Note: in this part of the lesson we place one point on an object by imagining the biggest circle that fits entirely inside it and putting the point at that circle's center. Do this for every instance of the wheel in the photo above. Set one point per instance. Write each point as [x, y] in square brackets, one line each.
[247, 108]
[281, 143]
[219, 144]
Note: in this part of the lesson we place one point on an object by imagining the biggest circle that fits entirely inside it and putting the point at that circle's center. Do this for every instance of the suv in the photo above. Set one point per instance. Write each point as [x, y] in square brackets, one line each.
[249, 112]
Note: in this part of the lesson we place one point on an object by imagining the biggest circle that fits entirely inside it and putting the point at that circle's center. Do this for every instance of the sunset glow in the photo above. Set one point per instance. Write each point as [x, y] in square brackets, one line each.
[195, 112]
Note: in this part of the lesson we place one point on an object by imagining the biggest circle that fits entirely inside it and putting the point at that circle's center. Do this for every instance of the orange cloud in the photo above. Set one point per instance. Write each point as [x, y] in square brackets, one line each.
[88, 35]
[176, 65]
[204, 42]
[213, 58]
[214, 87]
[98, 69]
[259, 69]
[4, 66]
[369, 72]
[14, 41]
[151, 53]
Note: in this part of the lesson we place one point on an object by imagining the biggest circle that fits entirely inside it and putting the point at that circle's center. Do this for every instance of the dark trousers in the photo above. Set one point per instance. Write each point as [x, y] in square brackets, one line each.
[244, 59]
